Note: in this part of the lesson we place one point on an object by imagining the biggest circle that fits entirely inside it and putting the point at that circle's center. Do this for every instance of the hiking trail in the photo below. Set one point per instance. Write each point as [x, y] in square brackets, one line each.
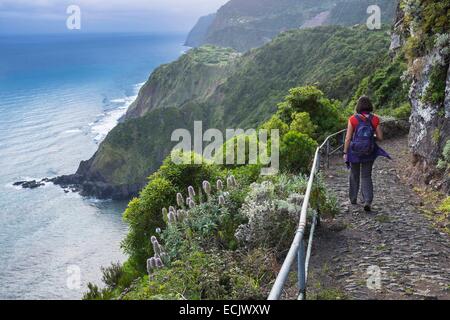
[412, 255]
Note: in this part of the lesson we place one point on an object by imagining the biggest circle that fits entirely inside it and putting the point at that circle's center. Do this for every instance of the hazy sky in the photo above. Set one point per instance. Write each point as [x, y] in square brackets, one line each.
[37, 16]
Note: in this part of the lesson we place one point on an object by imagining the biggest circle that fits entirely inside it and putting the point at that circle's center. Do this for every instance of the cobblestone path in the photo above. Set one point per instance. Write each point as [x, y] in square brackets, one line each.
[395, 241]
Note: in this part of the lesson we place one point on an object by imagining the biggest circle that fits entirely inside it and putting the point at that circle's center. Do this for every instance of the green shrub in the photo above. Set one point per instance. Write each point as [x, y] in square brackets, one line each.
[272, 208]
[143, 214]
[95, 293]
[296, 152]
[403, 112]
[207, 226]
[323, 112]
[276, 123]
[112, 275]
[203, 276]
[301, 122]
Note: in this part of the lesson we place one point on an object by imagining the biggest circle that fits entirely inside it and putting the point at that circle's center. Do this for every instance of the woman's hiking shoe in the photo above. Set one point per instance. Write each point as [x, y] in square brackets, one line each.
[367, 208]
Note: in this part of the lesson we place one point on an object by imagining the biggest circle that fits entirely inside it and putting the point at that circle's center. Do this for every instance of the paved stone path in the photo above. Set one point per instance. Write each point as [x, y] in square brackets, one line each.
[396, 240]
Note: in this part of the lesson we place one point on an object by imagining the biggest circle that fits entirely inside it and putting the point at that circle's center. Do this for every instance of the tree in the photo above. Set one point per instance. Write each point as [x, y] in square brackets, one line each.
[296, 152]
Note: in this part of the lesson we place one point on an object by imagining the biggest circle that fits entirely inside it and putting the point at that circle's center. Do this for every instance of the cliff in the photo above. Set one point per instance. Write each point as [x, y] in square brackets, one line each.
[199, 31]
[247, 24]
[192, 78]
[421, 32]
[224, 90]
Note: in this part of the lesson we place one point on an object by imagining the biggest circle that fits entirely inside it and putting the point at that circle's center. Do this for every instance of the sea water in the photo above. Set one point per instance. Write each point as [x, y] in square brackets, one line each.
[59, 97]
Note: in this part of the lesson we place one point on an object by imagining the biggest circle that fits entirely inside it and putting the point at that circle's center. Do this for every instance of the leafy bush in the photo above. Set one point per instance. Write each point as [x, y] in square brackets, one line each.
[112, 275]
[296, 152]
[206, 276]
[386, 87]
[95, 293]
[272, 209]
[208, 225]
[275, 123]
[323, 112]
[271, 221]
[143, 214]
[301, 122]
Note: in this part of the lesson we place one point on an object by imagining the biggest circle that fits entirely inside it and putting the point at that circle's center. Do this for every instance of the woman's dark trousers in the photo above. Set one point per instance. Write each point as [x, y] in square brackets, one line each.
[363, 172]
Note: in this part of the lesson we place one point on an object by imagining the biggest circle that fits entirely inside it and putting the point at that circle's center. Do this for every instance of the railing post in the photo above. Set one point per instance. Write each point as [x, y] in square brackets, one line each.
[317, 168]
[301, 271]
[328, 154]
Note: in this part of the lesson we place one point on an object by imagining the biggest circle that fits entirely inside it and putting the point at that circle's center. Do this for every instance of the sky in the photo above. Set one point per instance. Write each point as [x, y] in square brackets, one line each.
[49, 16]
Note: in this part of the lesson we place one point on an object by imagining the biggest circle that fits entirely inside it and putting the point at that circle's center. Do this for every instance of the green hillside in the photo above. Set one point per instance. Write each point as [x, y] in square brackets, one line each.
[204, 85]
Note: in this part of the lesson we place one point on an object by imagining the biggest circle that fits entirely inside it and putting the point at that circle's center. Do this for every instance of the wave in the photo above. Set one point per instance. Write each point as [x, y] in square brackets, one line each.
[110, 118]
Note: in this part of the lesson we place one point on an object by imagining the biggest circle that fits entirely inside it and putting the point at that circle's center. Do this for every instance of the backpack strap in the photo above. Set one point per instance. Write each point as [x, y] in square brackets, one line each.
[358, 117]
[369, 118]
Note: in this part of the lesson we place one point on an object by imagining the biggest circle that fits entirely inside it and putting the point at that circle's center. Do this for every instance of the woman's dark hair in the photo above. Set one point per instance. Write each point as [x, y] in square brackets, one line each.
[364, 105]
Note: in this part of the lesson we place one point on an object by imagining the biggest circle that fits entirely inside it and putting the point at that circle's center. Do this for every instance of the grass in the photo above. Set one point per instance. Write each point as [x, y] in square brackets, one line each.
[330, 294]
[437, 214]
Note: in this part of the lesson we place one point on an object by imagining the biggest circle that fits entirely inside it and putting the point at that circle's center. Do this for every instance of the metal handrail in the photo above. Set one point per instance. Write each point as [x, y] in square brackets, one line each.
[297, 249]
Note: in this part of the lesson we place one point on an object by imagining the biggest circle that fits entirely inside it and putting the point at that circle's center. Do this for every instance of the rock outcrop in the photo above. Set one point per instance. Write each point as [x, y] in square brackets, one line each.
[429, 96]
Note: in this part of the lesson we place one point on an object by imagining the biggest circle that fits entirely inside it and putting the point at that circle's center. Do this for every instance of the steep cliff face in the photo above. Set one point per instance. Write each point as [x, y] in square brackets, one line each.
[199, 31]
[421, 33]
[192, 78]
[247, 24]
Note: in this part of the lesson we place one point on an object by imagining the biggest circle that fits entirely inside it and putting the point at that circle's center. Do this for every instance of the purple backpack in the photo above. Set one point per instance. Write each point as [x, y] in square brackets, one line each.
[363, 142]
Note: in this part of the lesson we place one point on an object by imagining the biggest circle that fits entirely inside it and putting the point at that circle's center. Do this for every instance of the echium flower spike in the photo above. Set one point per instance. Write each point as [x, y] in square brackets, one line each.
[191, 192]
[221, 200]
[229, 183]
[207, 187]
[219, 185]
[187, 201]
[159, 263]
[191, 204]
[171, 217]
[171, 208]
[156, 248]
[179, 215]
[180, 200]
[151, 264]
[233, 181]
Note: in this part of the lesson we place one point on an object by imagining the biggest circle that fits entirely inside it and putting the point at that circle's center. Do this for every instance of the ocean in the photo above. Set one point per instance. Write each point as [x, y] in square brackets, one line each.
[59, 97]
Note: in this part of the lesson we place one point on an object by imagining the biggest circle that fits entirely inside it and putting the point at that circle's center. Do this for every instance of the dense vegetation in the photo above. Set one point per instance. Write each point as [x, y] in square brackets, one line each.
[221, 238]
[387, 88]
[211, 231]
[226, 90]
[335, 59]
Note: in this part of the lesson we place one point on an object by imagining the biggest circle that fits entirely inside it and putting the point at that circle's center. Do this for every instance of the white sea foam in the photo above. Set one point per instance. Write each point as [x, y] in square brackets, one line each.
[110, 118]
[71, 131]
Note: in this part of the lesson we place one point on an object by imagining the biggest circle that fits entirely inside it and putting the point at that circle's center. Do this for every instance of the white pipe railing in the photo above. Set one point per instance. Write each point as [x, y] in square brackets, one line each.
[297, 249]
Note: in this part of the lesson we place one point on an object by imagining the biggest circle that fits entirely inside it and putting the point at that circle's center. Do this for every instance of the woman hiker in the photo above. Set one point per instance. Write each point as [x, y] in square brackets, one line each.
[361, 150]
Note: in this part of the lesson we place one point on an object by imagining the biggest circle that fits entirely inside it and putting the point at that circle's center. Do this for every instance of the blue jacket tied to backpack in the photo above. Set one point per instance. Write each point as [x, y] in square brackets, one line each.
[363, 147]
